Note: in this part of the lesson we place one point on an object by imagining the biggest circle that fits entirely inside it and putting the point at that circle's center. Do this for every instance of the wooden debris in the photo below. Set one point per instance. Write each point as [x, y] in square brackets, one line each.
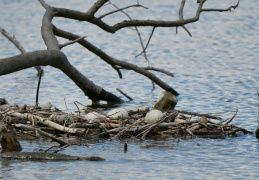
[166, 101]
[173, 122]
[46, 156]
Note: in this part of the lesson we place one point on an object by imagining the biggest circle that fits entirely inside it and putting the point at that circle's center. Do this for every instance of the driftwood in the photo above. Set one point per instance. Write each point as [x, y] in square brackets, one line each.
[46, 156]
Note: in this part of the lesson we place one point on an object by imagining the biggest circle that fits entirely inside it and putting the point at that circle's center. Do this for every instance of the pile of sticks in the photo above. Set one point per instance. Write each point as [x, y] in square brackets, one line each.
[51, 123]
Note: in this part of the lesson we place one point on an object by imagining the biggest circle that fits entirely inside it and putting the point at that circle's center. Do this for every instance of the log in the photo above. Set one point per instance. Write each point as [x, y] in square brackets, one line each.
[46, 156]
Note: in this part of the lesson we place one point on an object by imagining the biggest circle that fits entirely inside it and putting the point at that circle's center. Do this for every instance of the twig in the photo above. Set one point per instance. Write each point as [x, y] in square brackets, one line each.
[38, 88]
[152, 69]
[136, 28]
[112, 12]
[257, 129]
[64, 97]
[190, 132]
[125, 147]
[105, 120]
[258, 106]
[13, 40]
[182, 19]
[147, 42]
[141, 41]
[197, 114]
[221, 10]
[63, 147]
[77, 109]
[71, 42]
[124, 130]
[233, 116]
[46, 150]
[44, 4]
[124, 94]
[92, 110]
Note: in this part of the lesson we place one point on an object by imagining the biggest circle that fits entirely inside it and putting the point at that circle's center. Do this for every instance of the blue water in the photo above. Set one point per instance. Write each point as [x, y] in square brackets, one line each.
[215, 70]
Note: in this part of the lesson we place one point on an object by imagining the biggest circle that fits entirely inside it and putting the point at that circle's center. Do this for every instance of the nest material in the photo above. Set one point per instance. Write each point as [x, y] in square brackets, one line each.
[174, 123]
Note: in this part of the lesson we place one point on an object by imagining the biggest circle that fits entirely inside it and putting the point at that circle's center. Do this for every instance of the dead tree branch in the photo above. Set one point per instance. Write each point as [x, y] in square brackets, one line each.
[19, 47]
[113, 61]
[181, 17]
[222, 10]
[71, 42]
[52, 56]
[144, 49]
[121, 9]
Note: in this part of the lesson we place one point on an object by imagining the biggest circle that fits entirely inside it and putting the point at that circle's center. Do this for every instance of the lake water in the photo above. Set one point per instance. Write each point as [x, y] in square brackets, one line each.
[215, 70]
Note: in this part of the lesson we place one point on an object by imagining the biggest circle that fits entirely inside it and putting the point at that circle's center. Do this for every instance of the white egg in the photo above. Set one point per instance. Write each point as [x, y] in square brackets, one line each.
[153, 116]
[118, 113]
[93, 116]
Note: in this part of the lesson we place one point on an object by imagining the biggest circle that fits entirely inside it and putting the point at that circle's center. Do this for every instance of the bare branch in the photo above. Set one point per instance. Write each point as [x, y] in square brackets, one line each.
[233, 116]
[222, 10]
[96, 7]
[114, 61]
[71, 42]
[13, 40]
[71, 14]
[87, 45]
[124, 94]
[136, 28]
[121, 9]
[181, 17]
[44, 4]
[154, 69]
[144, 50]
[159, 70]
[140, 39]
[18, 46]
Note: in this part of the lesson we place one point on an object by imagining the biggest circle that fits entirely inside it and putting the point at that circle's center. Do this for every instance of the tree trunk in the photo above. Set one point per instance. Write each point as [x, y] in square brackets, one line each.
[58, 60]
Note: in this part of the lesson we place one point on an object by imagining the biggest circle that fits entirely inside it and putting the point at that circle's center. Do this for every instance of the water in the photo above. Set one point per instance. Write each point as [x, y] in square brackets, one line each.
[215, 70]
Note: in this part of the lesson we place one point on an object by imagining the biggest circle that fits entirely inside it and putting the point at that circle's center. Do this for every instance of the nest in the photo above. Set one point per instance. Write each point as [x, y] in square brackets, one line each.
[174, 123]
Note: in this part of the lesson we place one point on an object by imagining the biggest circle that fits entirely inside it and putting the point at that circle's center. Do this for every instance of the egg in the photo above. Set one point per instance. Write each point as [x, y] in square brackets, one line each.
[118, 113]
[153, 116]
[93, 116]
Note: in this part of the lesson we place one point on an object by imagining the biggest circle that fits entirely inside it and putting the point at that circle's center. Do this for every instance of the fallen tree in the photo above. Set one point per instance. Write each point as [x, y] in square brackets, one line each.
[53, 56]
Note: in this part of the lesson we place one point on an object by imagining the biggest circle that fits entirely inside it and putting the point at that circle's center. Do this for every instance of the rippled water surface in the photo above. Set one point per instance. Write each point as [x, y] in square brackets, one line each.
[215, 70]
